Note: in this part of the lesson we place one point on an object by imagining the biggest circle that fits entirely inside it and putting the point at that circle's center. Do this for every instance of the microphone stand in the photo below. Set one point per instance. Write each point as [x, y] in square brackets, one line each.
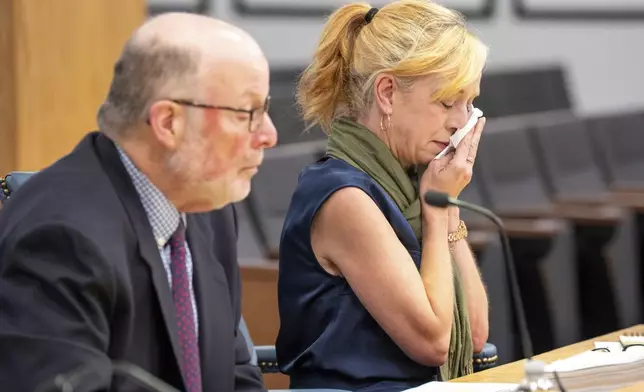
[70, 382]
[535, 375]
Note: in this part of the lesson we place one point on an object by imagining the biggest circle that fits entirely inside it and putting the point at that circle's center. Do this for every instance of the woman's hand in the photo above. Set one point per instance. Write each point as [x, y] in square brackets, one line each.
[451, 173]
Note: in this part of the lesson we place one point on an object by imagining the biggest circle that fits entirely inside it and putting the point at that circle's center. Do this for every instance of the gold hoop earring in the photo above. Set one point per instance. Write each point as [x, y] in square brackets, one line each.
[382, 127]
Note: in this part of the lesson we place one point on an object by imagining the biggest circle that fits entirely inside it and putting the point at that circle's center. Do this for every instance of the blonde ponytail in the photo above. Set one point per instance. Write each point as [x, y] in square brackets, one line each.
[322, 88]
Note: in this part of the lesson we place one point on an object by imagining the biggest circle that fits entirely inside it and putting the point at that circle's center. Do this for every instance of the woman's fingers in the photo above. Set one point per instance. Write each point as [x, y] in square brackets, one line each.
[463, 148]
[476, 138]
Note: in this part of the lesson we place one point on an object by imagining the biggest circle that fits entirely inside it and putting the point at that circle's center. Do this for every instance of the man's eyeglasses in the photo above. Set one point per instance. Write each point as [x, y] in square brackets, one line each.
[255, 116]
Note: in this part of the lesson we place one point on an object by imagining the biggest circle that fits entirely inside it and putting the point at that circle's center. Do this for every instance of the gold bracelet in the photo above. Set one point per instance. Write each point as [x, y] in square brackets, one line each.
[455, 236]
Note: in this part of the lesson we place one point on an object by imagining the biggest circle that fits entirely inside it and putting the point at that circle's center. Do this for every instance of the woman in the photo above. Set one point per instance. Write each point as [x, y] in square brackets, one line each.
[378, 291]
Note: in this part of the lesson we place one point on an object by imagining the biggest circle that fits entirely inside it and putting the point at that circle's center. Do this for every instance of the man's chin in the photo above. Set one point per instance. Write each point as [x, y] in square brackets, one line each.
[216, 197]
[240, 191]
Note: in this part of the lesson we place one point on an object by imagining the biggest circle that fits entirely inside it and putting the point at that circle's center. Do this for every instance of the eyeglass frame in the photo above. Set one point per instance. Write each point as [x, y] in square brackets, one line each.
[250, 112]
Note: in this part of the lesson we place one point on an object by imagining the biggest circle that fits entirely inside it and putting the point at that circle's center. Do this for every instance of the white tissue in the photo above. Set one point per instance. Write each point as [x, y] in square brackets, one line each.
[456, 138]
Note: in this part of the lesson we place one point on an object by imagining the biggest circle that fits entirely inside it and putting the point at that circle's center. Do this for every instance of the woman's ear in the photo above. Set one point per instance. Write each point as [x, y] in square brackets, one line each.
[384, 88]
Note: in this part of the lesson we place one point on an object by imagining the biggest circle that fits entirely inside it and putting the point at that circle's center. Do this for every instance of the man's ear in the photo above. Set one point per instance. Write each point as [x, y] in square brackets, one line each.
[167, 121]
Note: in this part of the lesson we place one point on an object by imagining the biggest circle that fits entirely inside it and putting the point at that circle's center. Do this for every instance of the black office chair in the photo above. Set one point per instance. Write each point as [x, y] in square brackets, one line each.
[284, 111]
[273, 187]
[510, 186]
[514, 181]
[523, 91]
[618, 143]
[574, 175]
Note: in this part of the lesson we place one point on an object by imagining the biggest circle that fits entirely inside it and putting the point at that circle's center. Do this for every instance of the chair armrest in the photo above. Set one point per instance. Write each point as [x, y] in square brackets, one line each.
[629, 199]
[636, 188]
[589, 214]
[267, 359]
[521, 228]
[11, 182]
[633, 200]
[579, 213]
[486, 358]
[479, 239]
[4, 190]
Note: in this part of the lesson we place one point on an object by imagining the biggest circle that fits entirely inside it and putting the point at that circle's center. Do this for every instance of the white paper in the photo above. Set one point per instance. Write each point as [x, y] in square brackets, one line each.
[464, 387]
[627, 340]
[456, 138]
[610, 346]
[592, 359]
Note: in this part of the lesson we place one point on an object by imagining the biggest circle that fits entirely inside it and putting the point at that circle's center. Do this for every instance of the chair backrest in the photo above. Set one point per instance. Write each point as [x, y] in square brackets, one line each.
[507, 170]
[273, 186]
[249, 242]
[564, 152]
[284, 111]
[618, 142]
[507, 93]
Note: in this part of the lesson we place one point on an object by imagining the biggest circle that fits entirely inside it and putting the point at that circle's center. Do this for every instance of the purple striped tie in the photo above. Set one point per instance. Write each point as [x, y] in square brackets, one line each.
[184, 312]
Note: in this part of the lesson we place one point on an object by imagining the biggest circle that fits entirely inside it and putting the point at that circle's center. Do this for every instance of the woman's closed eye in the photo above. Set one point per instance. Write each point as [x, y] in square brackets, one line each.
[461, 104]
[448, 105]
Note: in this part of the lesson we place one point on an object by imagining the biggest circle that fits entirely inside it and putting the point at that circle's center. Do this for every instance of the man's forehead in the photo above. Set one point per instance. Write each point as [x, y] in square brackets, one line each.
[240, 78]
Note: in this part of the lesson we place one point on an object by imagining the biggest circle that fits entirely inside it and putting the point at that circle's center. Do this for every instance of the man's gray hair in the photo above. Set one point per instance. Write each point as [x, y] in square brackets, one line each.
[143, 73]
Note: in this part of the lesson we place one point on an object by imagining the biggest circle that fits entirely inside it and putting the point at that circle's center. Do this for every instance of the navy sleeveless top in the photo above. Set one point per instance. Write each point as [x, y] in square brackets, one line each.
[327, 339]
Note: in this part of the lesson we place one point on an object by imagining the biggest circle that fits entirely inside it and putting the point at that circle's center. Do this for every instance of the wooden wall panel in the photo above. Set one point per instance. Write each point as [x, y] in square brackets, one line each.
[56, 61]
[7, 88]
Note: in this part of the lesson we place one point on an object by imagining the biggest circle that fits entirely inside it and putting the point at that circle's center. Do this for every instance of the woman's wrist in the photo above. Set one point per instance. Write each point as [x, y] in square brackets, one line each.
[453, 219]
[436, 217]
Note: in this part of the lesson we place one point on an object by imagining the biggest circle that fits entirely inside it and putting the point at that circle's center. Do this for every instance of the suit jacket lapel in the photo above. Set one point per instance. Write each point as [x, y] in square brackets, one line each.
[147, 245]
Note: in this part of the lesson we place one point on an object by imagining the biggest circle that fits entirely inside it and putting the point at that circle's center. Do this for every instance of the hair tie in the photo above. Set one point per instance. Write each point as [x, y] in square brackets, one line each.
[370, 14]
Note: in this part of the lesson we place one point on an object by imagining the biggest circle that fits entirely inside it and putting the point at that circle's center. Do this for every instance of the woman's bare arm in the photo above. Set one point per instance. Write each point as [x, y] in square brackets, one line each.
[351, 237]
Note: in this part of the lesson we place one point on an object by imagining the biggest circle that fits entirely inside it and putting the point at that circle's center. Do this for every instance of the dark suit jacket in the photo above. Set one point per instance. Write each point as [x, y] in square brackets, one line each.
[82, 282]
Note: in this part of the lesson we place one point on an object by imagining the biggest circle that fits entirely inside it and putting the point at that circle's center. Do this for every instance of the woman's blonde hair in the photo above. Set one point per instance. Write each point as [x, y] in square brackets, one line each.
[406, 38]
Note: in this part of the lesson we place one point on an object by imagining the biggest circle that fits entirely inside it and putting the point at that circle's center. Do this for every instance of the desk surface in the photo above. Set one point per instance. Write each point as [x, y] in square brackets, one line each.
[513, 372]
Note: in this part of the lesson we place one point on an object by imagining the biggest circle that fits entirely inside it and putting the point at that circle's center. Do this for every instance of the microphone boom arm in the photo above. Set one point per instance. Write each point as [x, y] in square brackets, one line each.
[526, 342]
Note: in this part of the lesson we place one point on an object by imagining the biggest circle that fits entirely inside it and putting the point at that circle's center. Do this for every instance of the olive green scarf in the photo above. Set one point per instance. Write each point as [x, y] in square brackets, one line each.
[361, 148]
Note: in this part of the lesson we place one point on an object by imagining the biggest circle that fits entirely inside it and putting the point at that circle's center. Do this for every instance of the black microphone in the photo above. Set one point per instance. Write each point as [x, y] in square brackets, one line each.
[92, 371]
[443, 200]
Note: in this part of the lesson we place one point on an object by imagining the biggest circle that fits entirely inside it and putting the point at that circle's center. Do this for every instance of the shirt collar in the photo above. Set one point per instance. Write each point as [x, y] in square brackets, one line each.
[162, 214]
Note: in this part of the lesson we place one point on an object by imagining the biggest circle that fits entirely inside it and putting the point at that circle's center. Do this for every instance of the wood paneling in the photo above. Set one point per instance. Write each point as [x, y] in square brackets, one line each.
[56, 61]
[7, 88]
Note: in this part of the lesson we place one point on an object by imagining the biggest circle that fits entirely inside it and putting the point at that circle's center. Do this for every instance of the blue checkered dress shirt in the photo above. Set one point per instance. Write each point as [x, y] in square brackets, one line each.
[164, 220]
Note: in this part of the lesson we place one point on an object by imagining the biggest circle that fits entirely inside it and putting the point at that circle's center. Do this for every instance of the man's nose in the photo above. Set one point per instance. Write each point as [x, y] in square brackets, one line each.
[266, 135]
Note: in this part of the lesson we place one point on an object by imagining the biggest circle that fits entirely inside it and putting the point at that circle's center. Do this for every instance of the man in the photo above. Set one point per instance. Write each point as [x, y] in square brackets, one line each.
[113, 253]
